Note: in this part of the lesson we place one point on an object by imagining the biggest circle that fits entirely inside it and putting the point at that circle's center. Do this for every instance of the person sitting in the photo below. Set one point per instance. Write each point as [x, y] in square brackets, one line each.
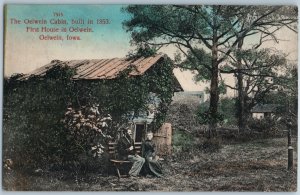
[152, 166]
[126, 151]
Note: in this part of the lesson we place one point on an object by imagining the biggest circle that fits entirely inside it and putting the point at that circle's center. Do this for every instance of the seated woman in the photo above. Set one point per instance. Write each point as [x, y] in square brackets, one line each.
[152, 166]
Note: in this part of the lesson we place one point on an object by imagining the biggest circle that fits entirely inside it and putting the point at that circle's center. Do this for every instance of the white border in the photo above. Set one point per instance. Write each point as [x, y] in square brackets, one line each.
[227, 2]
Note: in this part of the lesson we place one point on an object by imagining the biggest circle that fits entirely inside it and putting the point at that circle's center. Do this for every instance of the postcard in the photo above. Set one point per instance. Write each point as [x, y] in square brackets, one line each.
[101, 97]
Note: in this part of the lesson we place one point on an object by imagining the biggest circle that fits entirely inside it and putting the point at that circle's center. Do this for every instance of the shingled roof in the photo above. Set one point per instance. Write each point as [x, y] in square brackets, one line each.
[100, 68]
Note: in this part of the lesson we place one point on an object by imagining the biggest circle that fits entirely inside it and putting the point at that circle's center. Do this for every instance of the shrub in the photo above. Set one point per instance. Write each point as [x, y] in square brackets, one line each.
[225, 116]
[228, 109]
[210, 145]
[34, 134]
[183, 144]
[267, 126]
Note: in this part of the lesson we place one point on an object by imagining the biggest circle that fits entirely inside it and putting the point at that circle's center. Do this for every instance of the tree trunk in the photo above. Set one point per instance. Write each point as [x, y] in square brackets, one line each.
[214, 90]
[240, 102]
[214, 99]
[241, 98]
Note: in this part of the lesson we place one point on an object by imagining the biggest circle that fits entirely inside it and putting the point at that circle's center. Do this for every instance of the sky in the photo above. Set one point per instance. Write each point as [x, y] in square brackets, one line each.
[24, 51]
[287, 43]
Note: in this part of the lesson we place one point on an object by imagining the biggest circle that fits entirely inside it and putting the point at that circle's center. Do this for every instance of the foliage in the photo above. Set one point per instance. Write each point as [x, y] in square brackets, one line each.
[218, 28]
[142, 51]
[227, 108]
[222, 87]
[205, 117]
[34, 133]
[210, 145]
[269, 127]
[287, 97]
[226, 112]
[182, 144]
[87, 130]
[199, 64]
[161, 82]
[259, 73]
[32, 111]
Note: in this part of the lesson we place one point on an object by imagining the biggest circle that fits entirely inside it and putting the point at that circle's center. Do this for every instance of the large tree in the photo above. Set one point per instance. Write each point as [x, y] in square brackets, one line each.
[261, 73]
[287, 97]
[218, 29]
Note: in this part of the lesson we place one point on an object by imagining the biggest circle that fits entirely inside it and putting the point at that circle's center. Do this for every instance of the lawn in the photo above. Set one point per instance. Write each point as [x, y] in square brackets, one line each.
[259, 165]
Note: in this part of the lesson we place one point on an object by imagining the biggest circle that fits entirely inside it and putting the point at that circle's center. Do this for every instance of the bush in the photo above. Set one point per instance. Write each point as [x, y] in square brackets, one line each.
[34, 134]
[267, 126]
[88, 129]
[183, 144]
[210, 145]
[225, 116]
[227, 108]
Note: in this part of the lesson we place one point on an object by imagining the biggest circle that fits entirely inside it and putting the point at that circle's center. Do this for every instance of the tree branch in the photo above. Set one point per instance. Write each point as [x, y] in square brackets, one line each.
[195, 53]
[224, 33]
[231, 87]
[204, 40]
[196, 12]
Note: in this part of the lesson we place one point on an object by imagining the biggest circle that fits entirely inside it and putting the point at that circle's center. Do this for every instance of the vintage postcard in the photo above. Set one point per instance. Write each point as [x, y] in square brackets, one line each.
[150, 98]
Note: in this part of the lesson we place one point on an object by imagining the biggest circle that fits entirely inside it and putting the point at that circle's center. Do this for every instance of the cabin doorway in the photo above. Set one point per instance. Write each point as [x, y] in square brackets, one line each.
[139, 132]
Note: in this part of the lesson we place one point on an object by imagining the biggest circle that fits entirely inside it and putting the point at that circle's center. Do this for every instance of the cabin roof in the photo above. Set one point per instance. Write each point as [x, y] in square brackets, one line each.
[94, 69]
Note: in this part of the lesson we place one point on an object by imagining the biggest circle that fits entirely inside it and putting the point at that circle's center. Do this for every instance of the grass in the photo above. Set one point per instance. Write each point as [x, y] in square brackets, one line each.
[259, 165]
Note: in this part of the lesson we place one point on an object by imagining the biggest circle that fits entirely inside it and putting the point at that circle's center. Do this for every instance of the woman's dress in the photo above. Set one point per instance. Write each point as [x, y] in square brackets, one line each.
[152, 166]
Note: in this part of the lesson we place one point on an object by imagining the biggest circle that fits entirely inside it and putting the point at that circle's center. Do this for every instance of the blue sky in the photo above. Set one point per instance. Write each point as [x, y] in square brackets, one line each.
[24, 51]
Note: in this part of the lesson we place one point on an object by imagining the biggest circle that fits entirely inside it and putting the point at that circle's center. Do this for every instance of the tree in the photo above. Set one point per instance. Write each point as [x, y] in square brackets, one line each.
[218, 29]
[239, 68]
[286, 96]
[287, 17]
[261, 74]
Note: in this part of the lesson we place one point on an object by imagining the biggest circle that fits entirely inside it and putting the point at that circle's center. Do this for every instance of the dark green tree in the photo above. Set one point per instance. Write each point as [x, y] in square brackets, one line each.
[286, 96]
[261, 72]
[218, 29]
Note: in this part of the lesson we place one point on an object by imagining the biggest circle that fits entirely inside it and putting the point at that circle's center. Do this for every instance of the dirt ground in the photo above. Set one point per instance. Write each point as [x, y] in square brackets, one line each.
[259, 165]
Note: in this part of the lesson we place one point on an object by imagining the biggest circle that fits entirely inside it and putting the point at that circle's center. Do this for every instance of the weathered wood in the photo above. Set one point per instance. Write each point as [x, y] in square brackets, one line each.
[163, 140]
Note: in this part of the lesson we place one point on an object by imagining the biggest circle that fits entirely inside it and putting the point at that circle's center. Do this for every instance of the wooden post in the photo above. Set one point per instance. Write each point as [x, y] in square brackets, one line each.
[289, 137]
[290, 148]
[290, 158]
[290, 151]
